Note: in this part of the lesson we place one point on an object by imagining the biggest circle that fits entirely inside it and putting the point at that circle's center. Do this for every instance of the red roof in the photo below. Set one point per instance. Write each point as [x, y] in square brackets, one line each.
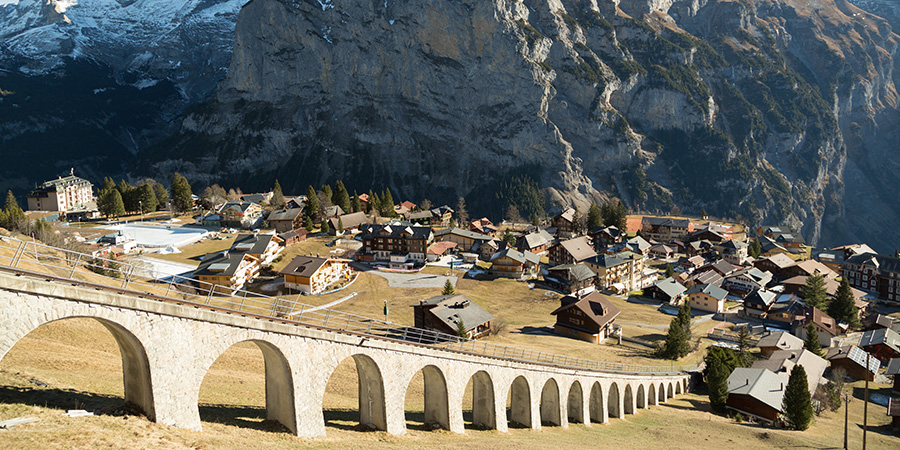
[408, 204]
[439, 248]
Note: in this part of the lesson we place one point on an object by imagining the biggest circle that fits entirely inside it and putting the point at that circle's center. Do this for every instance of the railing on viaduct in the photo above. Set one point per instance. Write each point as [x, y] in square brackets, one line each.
[61, 264]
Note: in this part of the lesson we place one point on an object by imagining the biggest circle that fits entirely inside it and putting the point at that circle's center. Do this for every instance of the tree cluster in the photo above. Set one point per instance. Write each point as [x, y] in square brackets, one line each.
[614, 214]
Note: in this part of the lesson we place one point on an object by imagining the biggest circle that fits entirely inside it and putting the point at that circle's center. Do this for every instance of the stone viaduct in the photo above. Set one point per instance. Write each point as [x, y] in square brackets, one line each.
[167, 349]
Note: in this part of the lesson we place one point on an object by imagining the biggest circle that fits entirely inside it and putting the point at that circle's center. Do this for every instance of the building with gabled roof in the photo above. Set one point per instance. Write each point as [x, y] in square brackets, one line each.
[621, 272]
[346, 222]
[606, 236]
[852, 360]
[536, 242]
[781, 362]
[707, 297]
[445, 313]
[893, 370]
[285, 219]
[668, 290]
[758, 303]
[512, 263]
[314, 275]
[265, 247]
[665, 229]
[589, 317]
[826, 327]
[756, 392]
[781, 340]
[398, 242]
[570, 278]
[483, 226]
[745, 281]
[240, 214]
[226, 271]
[572, 251]
[565, 222]
[883, 344]
[465, 239]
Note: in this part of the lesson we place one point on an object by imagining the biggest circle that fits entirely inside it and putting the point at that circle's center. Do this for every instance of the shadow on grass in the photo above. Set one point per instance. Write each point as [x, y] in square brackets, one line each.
[252, 417]
[534, 330]
[886, 429]
[66, 399]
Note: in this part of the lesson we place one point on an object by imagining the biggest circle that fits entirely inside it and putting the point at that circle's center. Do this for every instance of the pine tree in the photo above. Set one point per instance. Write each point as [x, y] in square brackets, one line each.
[811, 342]
[354, 203]
[448, 288]
[340, 196]
[162, 195]
[684, 318]
[328, 192]
[375, 203]
[146, 199]
[307, 223]
[509, 238]
[678, 337]
[340, 226]
[670, 272]
[577, 222]
[843, 307]
[755, 249]
[181, 193]
[312, 202]
[277, 196]
[325, 228]
[12, 208]
[719, 365]
[370, 204]
[797, 404]
[594, 217]
[116, 205]
[813, 292]
[387, 204]
[108, 183]
[461, 329]
[462, 214]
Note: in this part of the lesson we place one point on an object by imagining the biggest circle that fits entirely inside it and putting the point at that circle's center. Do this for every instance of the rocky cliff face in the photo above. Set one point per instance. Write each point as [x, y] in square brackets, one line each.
[87, 83]
[771, 110]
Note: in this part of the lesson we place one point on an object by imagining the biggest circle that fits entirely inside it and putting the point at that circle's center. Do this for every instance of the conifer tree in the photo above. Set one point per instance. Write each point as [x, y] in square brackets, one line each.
[312, 202]
[329, 193]
[843, 307]
[461, 329]
[181, 193]
[370, 204]
[744, 346]
[797, 404]
[448, 288]
[115, 205]
[340, 226]
[108, 183]
[678, 337]
[162, 195]
[354, 202]
[719, 366]
[811, 342]
[146, 198]
[12, 208]
[755, 249]
[462, 214]
[307, 223]
[594, 217]
[343, 197]
[387, 204]
[277, 196]
[670, 272]
[813, 292]
[325, 228]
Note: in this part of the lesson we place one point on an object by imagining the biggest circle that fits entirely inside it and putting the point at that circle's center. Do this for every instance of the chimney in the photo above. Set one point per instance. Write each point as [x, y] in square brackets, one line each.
[782, 387]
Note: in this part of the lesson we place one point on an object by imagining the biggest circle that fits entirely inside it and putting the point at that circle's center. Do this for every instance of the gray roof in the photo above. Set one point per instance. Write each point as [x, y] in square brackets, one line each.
[760, 384]
[884, 336]
[762, 297]
[708, 289]
[254, 244]
[285, 214]
[331, 211]
[352, 220]
[580, 248]
[533, 240]
[606, 260]
[638, 244]
[781, 339]
[783, 361]
[671, 287]
[464, 233]
[303, 266]
[595, 306]
[893, 367]
[516, 255]
[666, 221]
[854, 354]
[220, 263]
[452, 309]
[574, 272]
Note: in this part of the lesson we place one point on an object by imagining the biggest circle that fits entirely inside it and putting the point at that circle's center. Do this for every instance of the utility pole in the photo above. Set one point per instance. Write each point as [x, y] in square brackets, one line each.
[866, 403]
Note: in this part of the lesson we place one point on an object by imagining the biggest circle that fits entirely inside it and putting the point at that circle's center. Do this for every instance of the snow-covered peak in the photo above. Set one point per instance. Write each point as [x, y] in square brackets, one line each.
[173, 39]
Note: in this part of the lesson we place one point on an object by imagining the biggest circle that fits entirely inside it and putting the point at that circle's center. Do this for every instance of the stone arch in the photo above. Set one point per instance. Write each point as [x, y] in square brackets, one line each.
[520, 402]
[550, 403]
[483, 412]
[136, 374]
[678, 388]
[280, 405]
[652, 399]
[671, 390]
[575, 403]
[437, 406]
[629, 399]
[372, 408]
[641, 397]
[595, 403]
[613, 401]
[662, 393]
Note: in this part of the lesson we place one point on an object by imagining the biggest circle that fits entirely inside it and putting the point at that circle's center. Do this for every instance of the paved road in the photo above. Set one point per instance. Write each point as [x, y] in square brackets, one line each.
[414, 280]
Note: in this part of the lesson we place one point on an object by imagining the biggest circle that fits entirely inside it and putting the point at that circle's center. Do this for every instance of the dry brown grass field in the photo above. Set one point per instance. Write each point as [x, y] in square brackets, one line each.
[79, 362]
